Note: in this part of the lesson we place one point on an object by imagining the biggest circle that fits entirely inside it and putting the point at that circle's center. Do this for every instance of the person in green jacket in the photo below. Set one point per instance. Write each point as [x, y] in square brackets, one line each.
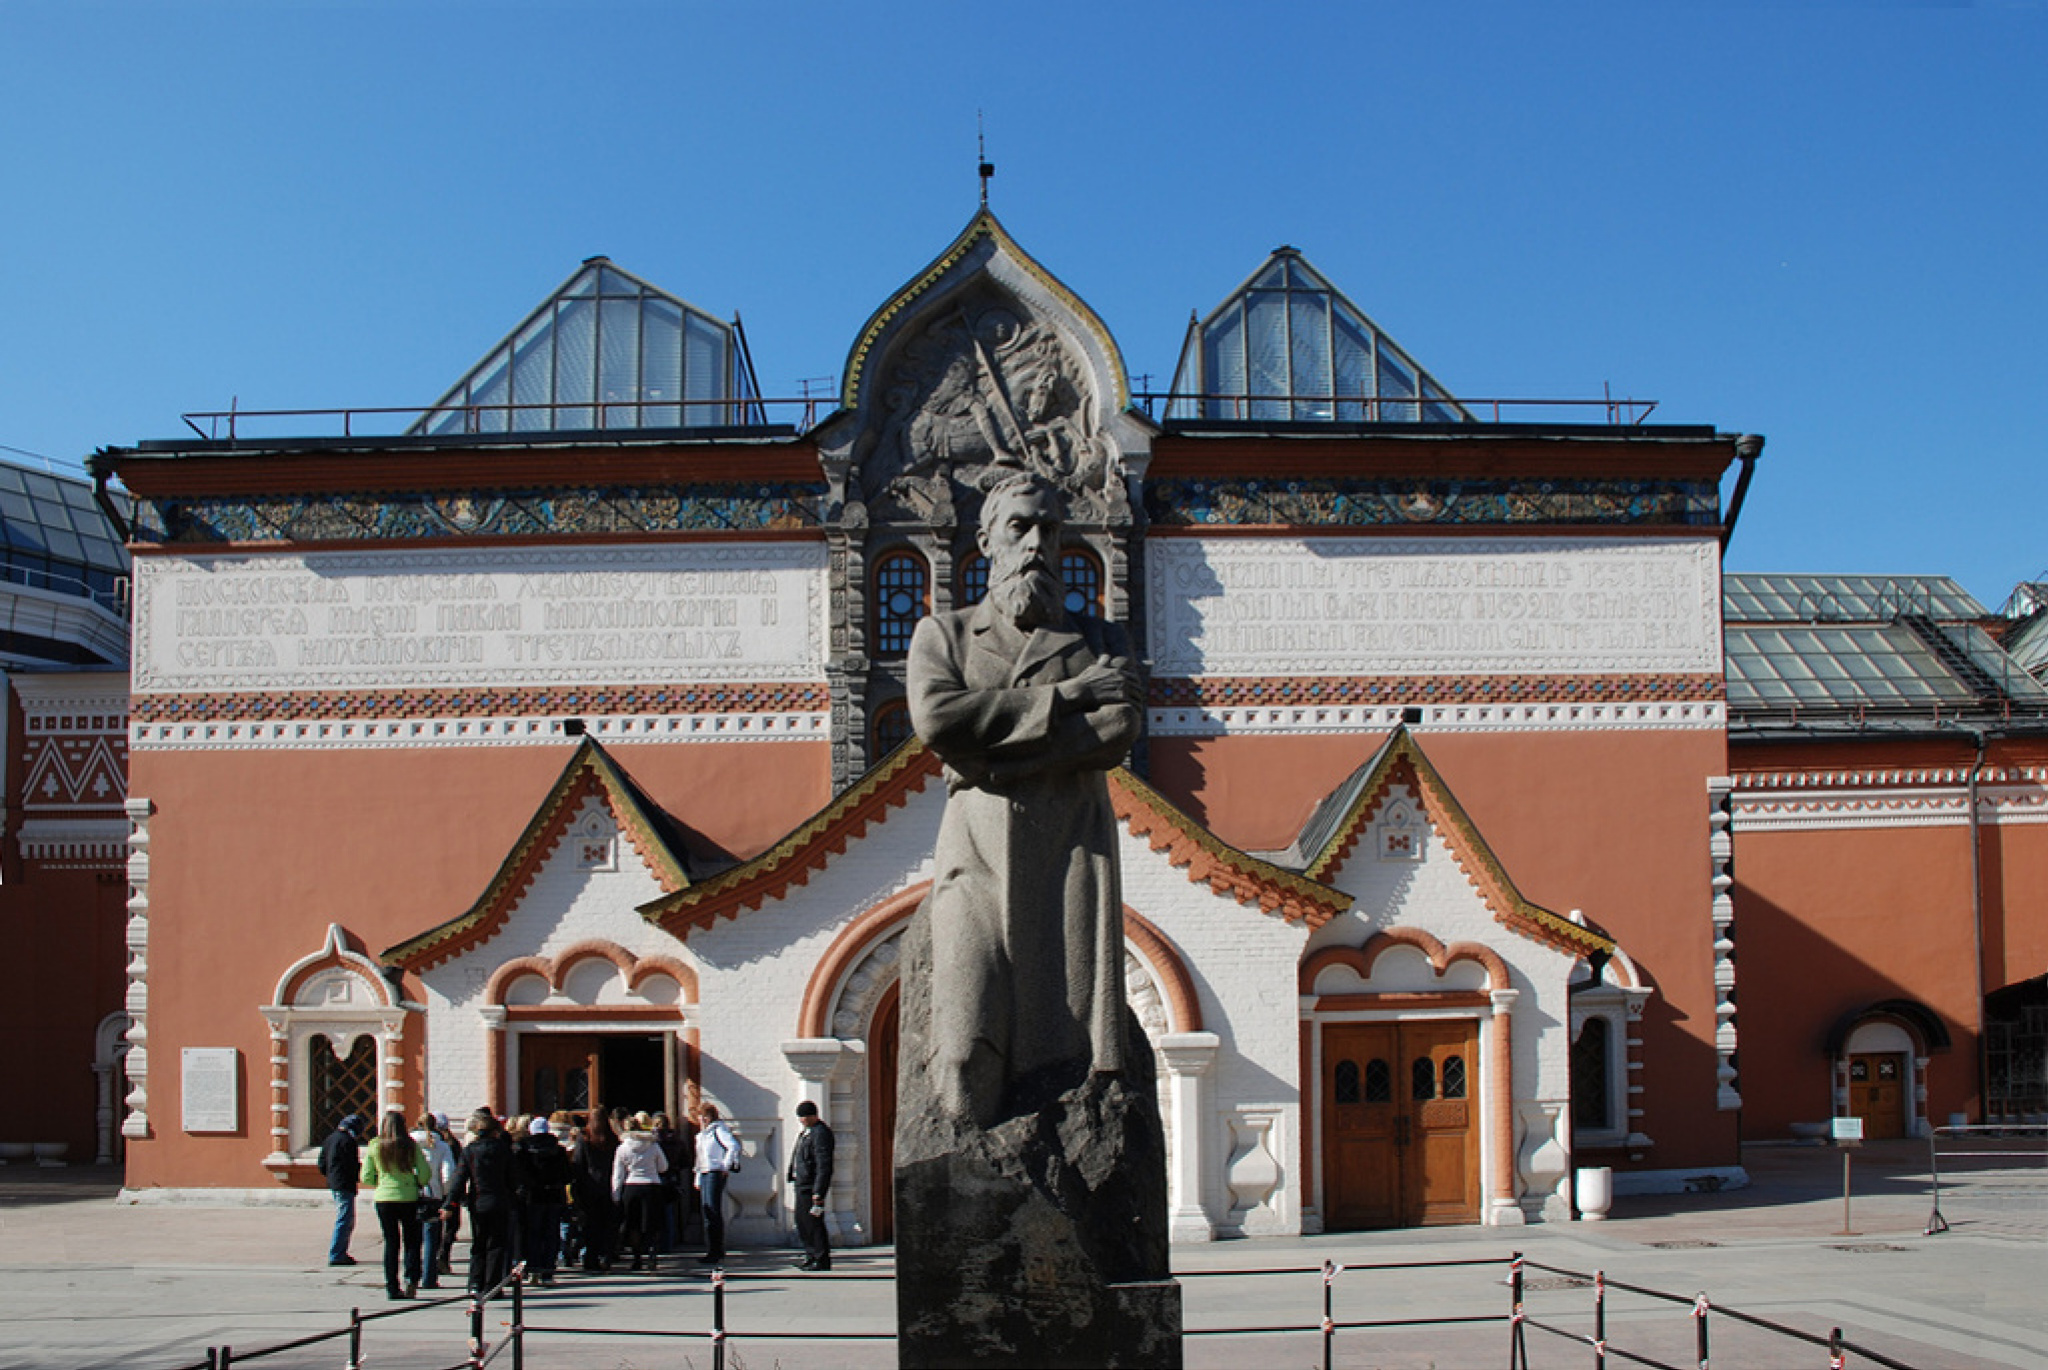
[396, 1168]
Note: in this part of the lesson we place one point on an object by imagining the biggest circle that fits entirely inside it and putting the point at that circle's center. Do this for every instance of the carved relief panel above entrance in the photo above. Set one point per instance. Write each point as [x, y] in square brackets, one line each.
[978, 393]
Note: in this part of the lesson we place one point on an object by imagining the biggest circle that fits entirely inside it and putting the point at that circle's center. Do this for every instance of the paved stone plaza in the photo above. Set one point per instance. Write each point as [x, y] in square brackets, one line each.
[88, 1282]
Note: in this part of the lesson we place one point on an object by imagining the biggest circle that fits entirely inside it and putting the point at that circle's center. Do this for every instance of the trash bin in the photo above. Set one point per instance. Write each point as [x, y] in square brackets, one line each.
[1595, 1192]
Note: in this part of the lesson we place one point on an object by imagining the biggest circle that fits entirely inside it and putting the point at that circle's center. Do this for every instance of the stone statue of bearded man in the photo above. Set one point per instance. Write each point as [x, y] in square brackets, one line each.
[1029, 706]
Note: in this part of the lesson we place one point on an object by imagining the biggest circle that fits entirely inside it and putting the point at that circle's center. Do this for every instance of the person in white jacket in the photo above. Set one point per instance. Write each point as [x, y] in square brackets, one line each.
[637, 1188]
[718, 1155]
[441, 1160]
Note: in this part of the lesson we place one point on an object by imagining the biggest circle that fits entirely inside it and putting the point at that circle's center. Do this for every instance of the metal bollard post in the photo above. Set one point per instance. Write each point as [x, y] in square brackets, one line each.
[1599, 1320]
[476, 1329]
[1835, 1358]
[1518, 1346]
[519, 1317]
[1699, 1319]
[227, 1356]
[355, 1339]
[718, 1317]
[1330, 1269]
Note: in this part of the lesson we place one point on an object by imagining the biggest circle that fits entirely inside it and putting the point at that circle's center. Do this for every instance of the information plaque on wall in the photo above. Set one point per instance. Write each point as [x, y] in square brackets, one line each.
[210, 1099]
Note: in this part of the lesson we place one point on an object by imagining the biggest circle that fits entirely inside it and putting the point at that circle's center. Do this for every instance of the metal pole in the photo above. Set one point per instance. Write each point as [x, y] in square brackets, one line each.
[1330, 1269]
[355, 1339]
[1848, 1228]
[1699, 1318]
[519, 1317]
[1935, 1222]
[1835, 1358]
[1518, 1350]
[718, 1318]
[1599, 1320]
[476, 1329]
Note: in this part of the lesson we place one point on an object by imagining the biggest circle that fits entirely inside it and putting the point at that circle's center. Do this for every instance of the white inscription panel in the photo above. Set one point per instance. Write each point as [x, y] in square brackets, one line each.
[1442, 606]
[210, 1099]
[584, 615]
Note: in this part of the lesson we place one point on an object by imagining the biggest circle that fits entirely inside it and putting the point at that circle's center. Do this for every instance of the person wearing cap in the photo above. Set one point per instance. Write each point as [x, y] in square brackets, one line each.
[540, 1178]
[810, 1171]
[341, 1159]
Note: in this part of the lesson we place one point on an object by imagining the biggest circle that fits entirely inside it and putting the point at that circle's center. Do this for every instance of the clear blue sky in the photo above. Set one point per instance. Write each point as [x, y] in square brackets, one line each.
[1822, 223]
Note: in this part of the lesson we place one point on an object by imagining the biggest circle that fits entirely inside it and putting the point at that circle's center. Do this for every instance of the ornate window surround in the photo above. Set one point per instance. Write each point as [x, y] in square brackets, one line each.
[340, 994]
[1617, 999]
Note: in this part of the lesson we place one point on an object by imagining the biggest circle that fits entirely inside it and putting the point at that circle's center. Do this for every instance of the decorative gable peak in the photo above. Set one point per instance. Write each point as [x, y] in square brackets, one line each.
[592, 838]
[983, 365]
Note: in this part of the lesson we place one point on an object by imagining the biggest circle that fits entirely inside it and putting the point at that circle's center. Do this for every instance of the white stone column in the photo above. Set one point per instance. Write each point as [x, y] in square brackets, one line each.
[817, 1061]
[1189, 1057]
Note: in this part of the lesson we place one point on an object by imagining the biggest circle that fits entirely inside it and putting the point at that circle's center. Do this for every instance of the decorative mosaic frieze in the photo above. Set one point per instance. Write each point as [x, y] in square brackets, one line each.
[74, 759]
[492, 718]
[569, 701]
[401, 516]
[1365, 503]
[1215, 692]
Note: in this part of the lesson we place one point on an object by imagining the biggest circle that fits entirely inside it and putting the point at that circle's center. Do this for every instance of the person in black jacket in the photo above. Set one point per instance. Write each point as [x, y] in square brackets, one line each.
[810, 1171]
[541, 1178]
[594, 1156]
[341, 1159]
[483, 1181]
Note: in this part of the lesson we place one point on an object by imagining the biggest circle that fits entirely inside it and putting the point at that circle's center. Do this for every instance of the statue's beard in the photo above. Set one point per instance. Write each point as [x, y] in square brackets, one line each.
[1025, 592]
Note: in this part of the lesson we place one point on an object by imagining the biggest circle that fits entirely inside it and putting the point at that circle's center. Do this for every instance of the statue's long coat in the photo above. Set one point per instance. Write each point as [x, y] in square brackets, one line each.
[1026, 910]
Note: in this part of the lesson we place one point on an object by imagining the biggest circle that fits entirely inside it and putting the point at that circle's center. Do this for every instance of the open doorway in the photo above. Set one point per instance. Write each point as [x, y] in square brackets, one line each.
[570, 1071]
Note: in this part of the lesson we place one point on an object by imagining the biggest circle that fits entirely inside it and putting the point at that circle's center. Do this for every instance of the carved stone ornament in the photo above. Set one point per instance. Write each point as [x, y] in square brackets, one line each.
[980, 392]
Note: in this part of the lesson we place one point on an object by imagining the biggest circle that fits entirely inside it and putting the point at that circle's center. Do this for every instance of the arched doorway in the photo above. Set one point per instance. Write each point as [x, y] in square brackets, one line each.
[882, 1057]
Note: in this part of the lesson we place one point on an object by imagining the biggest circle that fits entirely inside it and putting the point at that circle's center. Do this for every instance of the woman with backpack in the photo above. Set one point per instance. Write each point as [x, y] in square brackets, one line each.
[399, 1171]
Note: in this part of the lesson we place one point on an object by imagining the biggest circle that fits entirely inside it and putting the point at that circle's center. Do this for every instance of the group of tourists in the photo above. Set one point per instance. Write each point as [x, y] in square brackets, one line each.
[564, 1189]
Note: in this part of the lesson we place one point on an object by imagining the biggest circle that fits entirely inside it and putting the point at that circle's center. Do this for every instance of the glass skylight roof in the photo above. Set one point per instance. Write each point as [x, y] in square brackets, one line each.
[1864, 644]
[1755, 598]
[607, 350]
[54, 537]
[1288, 346]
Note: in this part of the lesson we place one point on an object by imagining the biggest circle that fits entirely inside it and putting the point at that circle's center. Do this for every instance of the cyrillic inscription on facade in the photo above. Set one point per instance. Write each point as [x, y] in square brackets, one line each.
[596, 616]
[1366, 606]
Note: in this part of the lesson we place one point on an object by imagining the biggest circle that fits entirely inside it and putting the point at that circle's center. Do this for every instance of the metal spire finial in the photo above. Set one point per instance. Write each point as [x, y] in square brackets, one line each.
[986, 169]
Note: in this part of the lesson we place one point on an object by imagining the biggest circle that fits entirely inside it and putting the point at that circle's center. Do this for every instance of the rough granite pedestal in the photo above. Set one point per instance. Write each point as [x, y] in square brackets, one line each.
[1041, 1241]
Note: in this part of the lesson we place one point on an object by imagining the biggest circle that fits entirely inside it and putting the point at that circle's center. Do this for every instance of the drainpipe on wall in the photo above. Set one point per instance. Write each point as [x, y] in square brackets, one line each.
[1748, 447]
[1978, 736]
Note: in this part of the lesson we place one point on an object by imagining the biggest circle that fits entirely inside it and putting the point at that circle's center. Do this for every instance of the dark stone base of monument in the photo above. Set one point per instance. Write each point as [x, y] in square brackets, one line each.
[1040, 1241]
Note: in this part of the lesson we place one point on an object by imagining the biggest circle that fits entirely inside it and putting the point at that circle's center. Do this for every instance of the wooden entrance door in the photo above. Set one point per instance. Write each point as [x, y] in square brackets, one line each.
[1877, 1093]
[559, 1072]
[1400, 1125]
[883, 1037]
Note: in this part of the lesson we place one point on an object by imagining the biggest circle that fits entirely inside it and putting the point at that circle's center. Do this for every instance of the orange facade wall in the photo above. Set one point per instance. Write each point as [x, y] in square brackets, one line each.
[1827, 923]
[254, 854]
[1612, 823]
[65, 934]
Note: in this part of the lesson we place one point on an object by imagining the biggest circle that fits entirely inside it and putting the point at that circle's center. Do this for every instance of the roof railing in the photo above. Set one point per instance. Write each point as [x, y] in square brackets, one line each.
[1620, 413]
[804, 412]
[503, 420]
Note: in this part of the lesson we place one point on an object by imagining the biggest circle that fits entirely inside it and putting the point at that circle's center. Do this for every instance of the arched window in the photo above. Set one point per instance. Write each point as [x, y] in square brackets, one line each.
[1423, 1077]
[974, 578]
[1346, 1083]
[902, 597]
[1379, 1082]
[343, 1081]
[1454, 1077]
[1082, 574]
[892, 728]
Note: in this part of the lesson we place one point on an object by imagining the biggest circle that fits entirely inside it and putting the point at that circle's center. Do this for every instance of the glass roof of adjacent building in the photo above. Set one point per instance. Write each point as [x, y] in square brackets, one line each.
[1753, 598]
[1865, 644]
[54, 537]
[1287, 345]
[607, 350]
